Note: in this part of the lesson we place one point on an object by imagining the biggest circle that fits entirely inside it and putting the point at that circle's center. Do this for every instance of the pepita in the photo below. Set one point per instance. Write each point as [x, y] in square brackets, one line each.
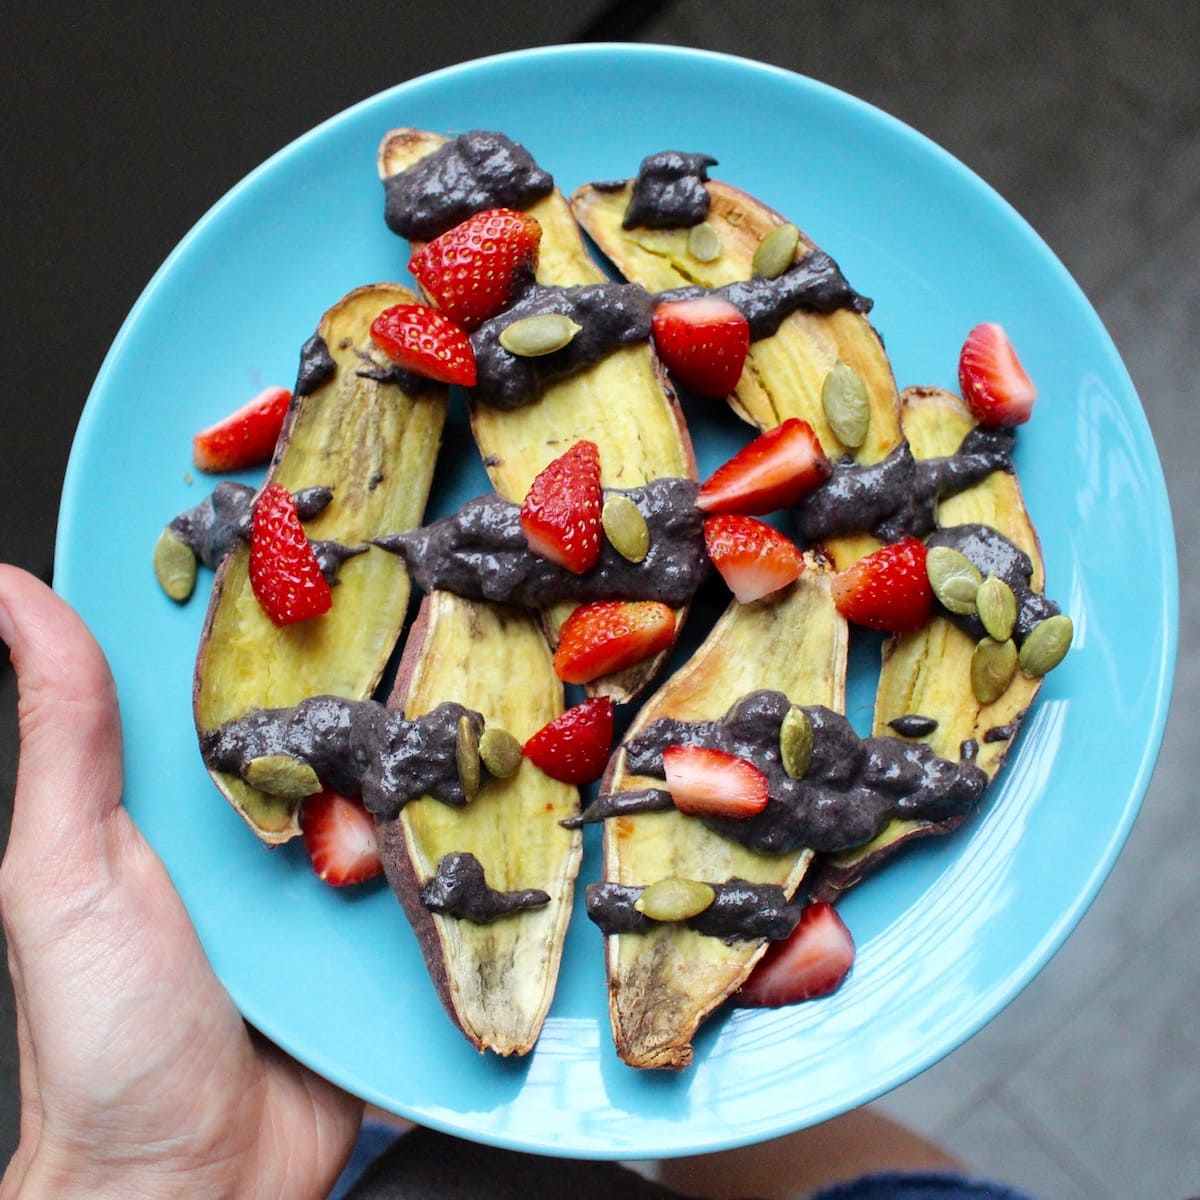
[704, 243]
[955, 579]
[1046, 645]
[776, 251]
[674, 899]
[500, 752]
[466, 757]
[543, 333]
[626, 528]
[174, 565]
[997, 608]
[847, 405]
[796, 742]
[993, 666]
[282, 775]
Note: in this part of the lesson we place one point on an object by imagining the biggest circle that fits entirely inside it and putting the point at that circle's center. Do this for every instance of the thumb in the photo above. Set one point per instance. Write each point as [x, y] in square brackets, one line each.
[69, 774]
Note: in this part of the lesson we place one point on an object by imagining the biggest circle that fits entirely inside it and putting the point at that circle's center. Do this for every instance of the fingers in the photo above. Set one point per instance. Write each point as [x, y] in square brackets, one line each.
[69, 770]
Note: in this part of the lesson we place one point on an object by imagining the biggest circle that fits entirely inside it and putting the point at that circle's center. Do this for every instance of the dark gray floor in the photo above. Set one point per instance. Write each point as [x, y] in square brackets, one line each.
[1081, 114]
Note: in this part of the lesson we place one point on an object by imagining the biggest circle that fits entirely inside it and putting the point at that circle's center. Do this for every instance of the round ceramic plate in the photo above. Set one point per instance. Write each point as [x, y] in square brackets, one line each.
[950, 932]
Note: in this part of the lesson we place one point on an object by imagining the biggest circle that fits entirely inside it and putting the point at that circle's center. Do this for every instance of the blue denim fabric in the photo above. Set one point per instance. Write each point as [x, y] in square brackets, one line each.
[925, 1186]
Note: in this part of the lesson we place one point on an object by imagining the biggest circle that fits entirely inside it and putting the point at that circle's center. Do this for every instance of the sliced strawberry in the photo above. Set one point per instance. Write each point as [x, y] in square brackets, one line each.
[340, 837]
[561, 512]
[772, 472]
[471, 272]
[426, 342]
[753, 558]
[705, 782]
[246, 437]
[994, 384]
[809, 963]
[610, 635]
[284, 573]
[887, 590]
[702, 342]
[574, 747]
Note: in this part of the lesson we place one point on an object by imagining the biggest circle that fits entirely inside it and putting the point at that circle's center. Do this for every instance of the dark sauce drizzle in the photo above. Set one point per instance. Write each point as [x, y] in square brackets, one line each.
[459, 889]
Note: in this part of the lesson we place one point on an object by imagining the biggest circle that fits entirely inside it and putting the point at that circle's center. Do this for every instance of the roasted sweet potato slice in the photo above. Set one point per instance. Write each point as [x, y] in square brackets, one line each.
[374, 445]
[928, 673]
[624, 403]
[496, 980]
[664, 982]
[785, 372]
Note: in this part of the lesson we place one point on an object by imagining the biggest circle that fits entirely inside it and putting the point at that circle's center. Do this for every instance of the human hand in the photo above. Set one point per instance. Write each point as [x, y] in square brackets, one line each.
[138, 1076]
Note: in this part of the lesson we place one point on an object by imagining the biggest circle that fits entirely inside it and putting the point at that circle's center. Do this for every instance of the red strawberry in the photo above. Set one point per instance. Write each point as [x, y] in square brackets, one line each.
[887, 590]
[574, 747]
[703, 343]
[754, 559]
[705, 782]
[284, 573]
[561, 513]
[994, 384]
[774, 471]
[471, 271]
[610, 635]
[811, 962]
[339, 835]
[246, 437]
[426, 342]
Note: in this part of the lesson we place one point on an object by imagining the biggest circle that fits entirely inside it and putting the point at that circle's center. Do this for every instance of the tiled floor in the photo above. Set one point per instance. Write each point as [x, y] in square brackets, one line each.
[1084, 116]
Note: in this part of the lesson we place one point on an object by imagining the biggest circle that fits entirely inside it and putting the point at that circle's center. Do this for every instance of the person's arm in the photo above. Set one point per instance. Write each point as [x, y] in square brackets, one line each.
[138, 1076]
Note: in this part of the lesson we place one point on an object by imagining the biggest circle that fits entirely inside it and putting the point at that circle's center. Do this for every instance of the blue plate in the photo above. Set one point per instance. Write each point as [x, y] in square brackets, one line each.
[949, 933]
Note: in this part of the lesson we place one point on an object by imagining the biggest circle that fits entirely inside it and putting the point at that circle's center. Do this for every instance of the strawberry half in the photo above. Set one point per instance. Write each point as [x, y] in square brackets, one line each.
[574, 747]
[471, 272]
[772, 472]
[246, 437]
[702, 342]
[994, 384]
[426, 342]
[284, 573]
[340, 837]
[610, 635]
[753, 558]
[705, 782]
[887, 590]
[561, 512]
[809, 963]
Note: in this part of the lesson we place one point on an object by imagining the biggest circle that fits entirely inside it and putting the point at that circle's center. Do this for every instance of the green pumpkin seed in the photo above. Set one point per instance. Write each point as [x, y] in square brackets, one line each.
[282, 775]
[776, 251]
[847, 405]
[543, 333]
[997, 608]
[993, 666]
[466, 757]
[174, 565]
[704, 242]
[626, 528]
[674, 899]
[955, 579]
[500, 752]
[796, 742]
[1046, 645]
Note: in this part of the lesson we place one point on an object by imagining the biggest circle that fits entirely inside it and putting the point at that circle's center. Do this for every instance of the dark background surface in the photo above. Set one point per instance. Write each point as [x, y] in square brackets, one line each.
[123, 127]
